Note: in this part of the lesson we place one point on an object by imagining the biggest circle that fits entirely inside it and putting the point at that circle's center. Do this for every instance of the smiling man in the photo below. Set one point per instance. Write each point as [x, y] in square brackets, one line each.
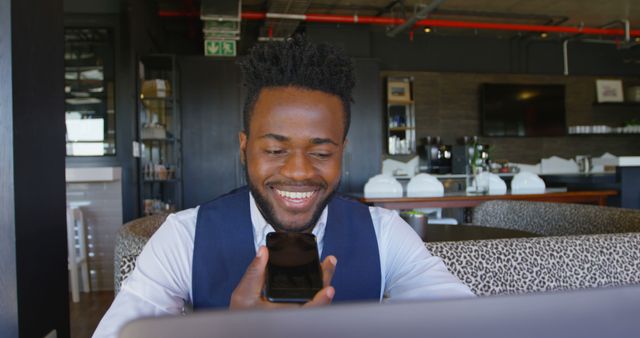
[294, 155]
[296, 119]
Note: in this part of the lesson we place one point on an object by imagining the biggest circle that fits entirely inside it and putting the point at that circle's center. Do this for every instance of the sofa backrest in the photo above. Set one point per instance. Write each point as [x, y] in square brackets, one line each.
[556, 219]
[522, 265]
[130, 241]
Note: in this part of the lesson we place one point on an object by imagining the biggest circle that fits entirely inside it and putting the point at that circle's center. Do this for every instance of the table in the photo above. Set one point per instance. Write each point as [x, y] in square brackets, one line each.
[462, 200]
[447, 232]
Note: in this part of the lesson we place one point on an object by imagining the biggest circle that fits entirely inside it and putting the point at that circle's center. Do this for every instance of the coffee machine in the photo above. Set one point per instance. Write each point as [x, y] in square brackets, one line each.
[462, 154]
[435, 157]
[461, 157]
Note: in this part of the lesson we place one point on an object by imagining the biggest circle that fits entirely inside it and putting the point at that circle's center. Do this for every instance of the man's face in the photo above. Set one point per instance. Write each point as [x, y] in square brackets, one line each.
[293, 154]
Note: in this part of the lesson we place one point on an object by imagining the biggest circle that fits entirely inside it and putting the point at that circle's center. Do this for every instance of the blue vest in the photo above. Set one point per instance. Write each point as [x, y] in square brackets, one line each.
[224, 247]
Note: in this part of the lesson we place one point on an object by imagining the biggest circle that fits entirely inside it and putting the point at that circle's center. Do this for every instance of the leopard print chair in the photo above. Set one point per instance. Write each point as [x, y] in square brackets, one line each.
[556, 219]
[537, 264]
[130, 240]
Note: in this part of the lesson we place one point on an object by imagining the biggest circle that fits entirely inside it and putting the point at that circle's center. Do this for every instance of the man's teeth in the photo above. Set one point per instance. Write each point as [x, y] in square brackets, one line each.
[295, 194]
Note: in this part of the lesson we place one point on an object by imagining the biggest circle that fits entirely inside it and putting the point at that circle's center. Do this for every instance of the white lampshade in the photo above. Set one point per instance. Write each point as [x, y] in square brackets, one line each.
[527, 183]
[382, 186]
[424, 185]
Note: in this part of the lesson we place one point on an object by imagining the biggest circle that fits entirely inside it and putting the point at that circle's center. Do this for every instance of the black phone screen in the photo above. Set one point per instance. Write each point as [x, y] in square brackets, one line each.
[293, 270]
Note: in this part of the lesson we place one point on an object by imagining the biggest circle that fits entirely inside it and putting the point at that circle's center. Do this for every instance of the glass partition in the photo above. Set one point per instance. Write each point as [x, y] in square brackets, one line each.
[89, 92]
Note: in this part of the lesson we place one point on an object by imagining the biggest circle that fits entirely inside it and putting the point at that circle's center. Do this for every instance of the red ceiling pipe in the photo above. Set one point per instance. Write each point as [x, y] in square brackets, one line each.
[178, 14]
[330, 18]
[254, 15]
[427, 22]
[373, 20]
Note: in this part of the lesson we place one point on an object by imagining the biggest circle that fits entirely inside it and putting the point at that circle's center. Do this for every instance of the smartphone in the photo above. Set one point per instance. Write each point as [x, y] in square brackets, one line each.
[293, 271]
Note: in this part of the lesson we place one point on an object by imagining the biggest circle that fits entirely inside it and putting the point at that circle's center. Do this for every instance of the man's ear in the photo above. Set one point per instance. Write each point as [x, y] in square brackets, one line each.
[242, 136]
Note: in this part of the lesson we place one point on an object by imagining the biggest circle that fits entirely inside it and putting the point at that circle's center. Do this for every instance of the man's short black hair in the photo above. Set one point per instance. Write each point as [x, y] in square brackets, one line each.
[296, 62]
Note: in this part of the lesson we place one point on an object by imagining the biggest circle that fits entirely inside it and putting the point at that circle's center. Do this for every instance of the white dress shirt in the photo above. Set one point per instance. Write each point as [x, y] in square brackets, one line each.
[161, 282]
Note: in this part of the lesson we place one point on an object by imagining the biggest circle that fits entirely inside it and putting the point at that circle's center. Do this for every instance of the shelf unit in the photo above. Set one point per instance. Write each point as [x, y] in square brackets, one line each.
[400, 111]
[604, 134]
[617, 104]
[159, 135]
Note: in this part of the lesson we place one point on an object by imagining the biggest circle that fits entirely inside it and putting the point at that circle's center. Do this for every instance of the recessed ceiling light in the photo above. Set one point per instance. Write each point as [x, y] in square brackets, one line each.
[544, 35]
[427, 29]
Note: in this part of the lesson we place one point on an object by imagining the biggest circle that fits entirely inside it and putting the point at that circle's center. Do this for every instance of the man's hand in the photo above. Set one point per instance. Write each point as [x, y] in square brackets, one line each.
[248, 293]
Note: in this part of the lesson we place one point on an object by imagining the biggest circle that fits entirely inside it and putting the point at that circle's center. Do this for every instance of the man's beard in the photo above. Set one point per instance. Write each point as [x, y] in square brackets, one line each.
[268, 211]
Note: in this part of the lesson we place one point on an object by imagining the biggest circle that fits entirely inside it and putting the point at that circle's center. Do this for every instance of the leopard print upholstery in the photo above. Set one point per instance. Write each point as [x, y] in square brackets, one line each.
[524, 265]
[556, 219]
[488, 267]
[130, 240]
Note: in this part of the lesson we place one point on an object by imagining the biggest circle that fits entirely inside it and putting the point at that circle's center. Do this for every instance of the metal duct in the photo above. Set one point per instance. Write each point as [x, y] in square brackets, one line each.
[421, 14]
[220, 19]
[276, 28]
[220, 10]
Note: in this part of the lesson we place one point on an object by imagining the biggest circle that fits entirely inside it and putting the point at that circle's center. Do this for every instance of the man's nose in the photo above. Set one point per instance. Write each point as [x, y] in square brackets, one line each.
[297, 167]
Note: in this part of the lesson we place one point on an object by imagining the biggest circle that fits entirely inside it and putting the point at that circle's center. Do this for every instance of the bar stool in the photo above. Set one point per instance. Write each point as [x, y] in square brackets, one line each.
[77, 250]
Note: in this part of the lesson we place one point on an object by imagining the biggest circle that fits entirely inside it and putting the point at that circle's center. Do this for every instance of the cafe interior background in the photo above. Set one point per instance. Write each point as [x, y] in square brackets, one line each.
[129, 108]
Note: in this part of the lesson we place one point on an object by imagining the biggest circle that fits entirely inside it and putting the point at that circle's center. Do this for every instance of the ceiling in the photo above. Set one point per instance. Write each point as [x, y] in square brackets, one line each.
[573, 13]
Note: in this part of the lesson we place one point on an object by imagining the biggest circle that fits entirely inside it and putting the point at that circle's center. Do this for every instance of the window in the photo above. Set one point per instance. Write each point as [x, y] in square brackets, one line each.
[89, 92]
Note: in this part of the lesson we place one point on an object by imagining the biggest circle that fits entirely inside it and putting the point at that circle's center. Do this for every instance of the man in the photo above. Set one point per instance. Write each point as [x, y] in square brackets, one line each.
[296, 118]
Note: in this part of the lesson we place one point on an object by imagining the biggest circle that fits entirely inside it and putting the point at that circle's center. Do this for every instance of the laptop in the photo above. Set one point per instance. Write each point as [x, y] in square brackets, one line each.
[608, 312]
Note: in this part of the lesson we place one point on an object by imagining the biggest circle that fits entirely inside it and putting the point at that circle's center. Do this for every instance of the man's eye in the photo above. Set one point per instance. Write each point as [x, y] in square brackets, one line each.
[275, 152]
[321, 156]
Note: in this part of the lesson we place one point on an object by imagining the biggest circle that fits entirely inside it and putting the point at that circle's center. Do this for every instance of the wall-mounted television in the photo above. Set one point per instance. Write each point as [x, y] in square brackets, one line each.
[522, 110]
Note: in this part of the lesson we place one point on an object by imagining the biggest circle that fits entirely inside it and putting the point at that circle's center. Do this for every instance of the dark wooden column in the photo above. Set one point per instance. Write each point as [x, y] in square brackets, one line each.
[8, 286]
[37, 66]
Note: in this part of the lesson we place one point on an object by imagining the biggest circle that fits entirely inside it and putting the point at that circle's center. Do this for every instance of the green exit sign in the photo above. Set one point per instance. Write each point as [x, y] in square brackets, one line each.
[219, 48]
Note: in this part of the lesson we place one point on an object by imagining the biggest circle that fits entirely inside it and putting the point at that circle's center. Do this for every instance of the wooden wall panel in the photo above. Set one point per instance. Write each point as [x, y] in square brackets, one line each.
[362, 158]
[211, 120]
[39, 161]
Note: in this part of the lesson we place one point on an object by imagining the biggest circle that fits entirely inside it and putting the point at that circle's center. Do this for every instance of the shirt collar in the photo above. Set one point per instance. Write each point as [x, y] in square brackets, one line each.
[261, 228]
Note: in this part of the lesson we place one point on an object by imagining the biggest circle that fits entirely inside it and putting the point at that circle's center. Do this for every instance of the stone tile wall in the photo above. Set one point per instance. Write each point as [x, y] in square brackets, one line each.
[101, 204]
[447, 105]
